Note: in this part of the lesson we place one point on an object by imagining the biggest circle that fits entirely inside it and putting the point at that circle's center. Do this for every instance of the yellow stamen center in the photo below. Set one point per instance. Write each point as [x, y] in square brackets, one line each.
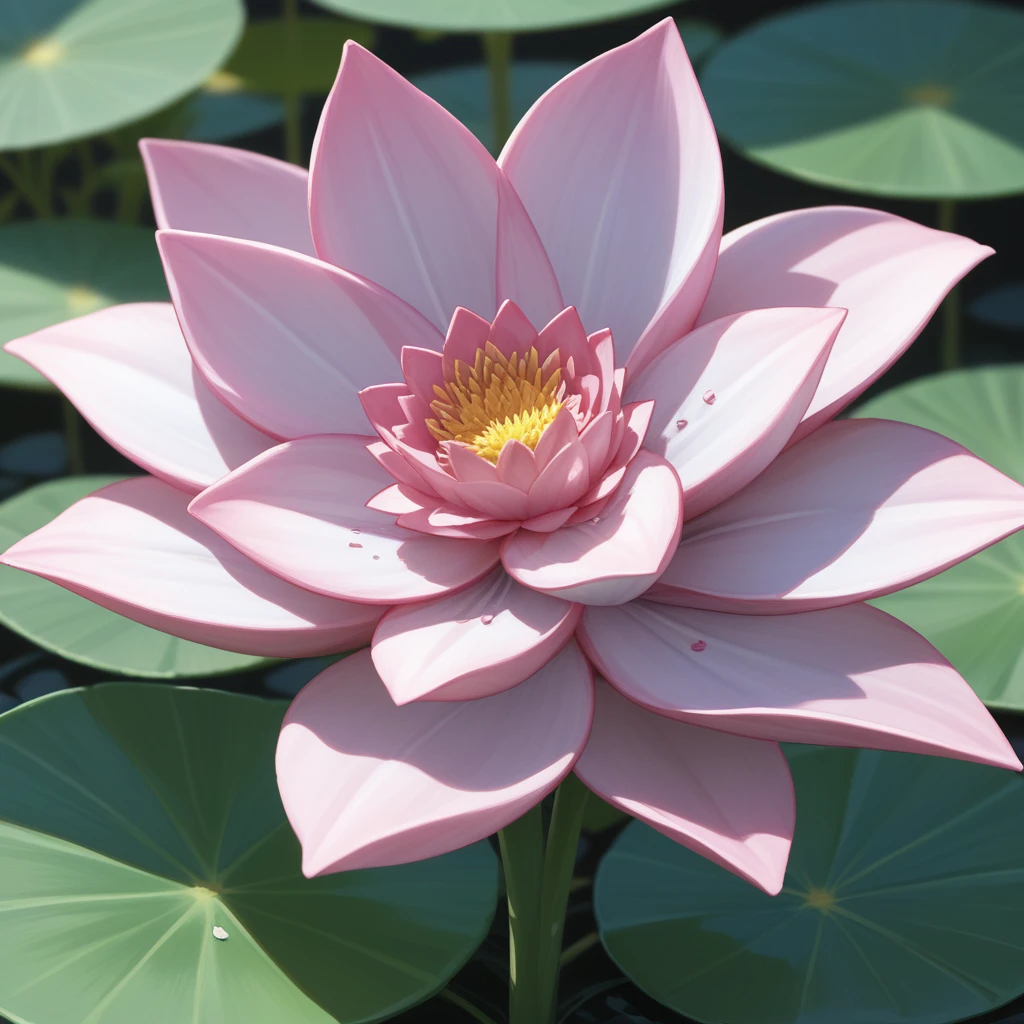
[497, 400]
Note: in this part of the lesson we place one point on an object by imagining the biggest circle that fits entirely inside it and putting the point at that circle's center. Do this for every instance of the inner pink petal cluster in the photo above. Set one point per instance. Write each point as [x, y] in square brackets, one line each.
[567, 478]
[454, 409]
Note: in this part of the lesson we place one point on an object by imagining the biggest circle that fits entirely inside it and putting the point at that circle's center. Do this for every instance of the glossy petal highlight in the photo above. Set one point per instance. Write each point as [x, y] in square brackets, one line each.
[133, 548]
[366, 783]
[728, 798]
[850, 676]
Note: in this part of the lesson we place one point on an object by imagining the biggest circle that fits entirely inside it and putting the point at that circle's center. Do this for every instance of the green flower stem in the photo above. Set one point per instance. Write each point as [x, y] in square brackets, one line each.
[950, 348]
[292, 100]
[73, 438]
[538, 878]
[498, 49]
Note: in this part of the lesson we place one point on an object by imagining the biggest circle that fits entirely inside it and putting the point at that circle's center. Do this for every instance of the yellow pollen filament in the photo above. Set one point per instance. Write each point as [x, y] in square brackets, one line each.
[43, 53]
[931, 95]
[819, 899]
[497, 400]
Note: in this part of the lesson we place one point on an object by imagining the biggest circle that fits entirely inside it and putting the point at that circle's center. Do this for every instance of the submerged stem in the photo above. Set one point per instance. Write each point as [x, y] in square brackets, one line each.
[498, 49]
[292, 100]
[73, 438]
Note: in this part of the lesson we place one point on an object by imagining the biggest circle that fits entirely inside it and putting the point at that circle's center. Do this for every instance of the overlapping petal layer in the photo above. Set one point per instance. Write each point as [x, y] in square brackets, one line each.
[618, 167]
[300, 511]
[850, 676]
[729, 395]
[613, 557]
[133, 548]
[128, 372]
[858, 509]
[367, 783]
[728, 798]
[890, 273]
[478, 641]
[220, 190]
[285, 340]
[403, 194]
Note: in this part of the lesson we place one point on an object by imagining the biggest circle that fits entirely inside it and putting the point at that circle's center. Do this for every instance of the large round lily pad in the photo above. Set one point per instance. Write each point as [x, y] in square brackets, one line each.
[466, 91]
[75, 628]
[53, 270]
[902, 902]
[71, 68]
[219, 114]
[973, 612]
[490, 15]
[915, 98]
[148, 874]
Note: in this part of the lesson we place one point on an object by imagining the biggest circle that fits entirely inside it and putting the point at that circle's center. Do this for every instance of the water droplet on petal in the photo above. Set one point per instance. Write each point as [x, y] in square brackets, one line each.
[709, 397]
[219, 933]
[353, 544]
[486, 619]
[596, 520]
[357, 531]
[698, 646]
[680, 424]
[376, 558]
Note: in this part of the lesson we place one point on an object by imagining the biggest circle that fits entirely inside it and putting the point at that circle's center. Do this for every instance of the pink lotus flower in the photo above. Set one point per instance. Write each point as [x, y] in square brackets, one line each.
[458, 408]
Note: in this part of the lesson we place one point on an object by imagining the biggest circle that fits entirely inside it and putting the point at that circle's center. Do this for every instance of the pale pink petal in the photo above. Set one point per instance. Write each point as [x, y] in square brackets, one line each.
[466, 333]
[395, 465]
[560, 432]
[549, 521]
[128, 372]
[596, 440]
[890, 273]
[445, 521]
[850, 676]
[219, 190]
[728, 798]
[398, 499]
[285, 340]
[387, 407]
[562, 482]
[423, 370]
[300, 511]
[858, 509]
[481, 640]
[524, 272]
[729, 395]
[511, 331]
[618, 167]
[366, 783]
[401, 193]
[467, 466]
[133, 548]
[517, 465]
[615, 558]
[564, 334]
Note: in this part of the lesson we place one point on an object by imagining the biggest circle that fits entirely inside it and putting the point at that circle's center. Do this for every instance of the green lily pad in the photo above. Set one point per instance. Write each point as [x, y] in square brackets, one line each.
[902, 902]
[75, 628]
[54, 270]
[217, 116]
[71, 68]
[489, 16]
[914, 98]
[700, 37]
[465, 91]
[266, 60]
[972, 612]
[148, 873]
